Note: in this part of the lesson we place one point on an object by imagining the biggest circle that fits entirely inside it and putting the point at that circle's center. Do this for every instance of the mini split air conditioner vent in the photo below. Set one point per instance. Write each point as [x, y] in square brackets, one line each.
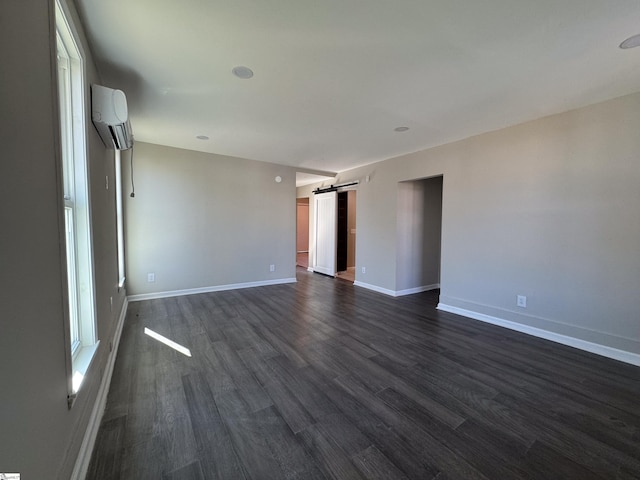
[110, 116]
[121, 139]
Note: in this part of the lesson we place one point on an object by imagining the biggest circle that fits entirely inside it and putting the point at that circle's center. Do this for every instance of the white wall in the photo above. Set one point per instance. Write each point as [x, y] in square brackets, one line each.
[549, 209]
[200, 220]
[40, 437]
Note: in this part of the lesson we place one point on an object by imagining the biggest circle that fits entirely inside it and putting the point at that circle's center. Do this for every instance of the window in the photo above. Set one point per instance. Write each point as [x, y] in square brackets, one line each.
[77, 226]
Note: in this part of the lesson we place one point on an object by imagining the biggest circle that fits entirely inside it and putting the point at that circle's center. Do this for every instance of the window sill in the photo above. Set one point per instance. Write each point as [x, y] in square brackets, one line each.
[81, 363]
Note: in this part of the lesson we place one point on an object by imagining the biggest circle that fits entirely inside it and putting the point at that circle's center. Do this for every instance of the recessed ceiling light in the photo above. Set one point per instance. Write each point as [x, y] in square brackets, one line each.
[401, 129]
[631, 42]
[242, 72]
[202, 137]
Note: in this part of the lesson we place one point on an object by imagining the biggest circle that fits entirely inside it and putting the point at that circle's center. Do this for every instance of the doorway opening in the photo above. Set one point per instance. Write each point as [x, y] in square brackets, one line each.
[419, 233]
[302, 232]
[334, 222]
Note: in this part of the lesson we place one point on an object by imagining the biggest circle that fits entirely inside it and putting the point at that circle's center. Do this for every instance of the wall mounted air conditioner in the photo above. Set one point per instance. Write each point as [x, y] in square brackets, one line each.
[110, 116]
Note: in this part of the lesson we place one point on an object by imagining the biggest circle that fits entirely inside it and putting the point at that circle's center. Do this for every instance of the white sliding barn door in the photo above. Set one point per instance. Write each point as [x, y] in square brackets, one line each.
[325, 232]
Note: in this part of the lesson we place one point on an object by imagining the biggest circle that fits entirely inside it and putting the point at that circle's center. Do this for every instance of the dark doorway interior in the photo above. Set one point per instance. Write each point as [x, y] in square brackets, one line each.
[343, 232]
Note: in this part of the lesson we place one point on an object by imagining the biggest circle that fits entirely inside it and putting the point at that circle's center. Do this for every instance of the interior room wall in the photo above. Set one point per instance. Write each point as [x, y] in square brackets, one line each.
[302, 225]
[418, 235]
[432, 231]
[549, 209]
[302, 193]
[41, 437]
[410, 229]
[207, 221]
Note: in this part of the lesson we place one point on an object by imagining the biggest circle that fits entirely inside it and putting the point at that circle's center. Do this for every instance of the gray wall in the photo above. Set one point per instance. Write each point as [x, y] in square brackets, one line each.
[40, 436]
[200, 220]
[549, 209]
[418, 234]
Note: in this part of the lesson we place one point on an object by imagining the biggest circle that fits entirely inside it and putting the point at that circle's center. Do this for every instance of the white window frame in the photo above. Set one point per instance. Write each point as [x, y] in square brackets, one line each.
[80, 327]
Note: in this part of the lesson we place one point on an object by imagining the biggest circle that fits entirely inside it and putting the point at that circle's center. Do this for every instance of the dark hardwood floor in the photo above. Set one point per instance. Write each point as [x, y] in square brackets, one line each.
[321, 379]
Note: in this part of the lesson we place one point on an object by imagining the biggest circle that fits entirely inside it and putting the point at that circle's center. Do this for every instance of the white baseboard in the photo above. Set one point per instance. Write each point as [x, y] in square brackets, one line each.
[598, 349]
[89, 440]
[310, 269]
[216, 288]
[411, 291]
[375, 288]
[396, 293]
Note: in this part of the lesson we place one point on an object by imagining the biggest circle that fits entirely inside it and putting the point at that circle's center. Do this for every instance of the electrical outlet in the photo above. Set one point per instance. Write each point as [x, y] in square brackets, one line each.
[364, 269]
[272, 268]
[521, 301]
[111, 304]
[106, 182]
[151, 277]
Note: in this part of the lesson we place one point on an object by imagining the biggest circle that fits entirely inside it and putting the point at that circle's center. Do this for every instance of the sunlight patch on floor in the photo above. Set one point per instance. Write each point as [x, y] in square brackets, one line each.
[170, 343]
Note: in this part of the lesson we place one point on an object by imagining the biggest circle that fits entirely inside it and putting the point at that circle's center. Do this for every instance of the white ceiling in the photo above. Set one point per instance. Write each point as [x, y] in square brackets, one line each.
[333, 78]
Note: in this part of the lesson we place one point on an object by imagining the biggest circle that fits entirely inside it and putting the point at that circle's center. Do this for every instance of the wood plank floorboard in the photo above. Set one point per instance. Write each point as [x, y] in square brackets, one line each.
[323, 380]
